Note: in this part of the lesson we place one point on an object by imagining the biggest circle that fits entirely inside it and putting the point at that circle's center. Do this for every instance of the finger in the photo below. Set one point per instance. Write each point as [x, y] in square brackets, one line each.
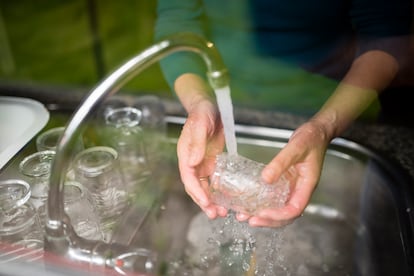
[285, 159]
[192, 185]
[221, 211]
[298, 200]
[260, 222]
[242, 216]
[210, 211]
[286, 213]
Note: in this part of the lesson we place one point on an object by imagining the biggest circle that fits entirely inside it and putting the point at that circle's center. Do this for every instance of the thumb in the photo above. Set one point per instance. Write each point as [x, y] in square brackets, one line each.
[281, 163]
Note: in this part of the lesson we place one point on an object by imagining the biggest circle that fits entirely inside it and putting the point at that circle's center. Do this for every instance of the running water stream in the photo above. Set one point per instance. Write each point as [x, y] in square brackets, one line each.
[227, 118]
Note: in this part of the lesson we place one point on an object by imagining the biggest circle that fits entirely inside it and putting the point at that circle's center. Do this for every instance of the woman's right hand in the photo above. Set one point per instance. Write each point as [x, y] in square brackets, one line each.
[200, 141]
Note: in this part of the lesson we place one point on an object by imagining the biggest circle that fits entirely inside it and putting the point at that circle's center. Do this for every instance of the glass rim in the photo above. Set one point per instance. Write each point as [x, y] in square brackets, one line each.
[41, 156]
[135, 119]
[95, 170]
[27, 209]
[80, 188]
[41, 138]
[19, 182]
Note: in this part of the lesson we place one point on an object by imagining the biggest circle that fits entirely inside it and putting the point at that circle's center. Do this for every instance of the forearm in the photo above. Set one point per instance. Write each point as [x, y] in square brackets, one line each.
[370, 73]
[191, 89]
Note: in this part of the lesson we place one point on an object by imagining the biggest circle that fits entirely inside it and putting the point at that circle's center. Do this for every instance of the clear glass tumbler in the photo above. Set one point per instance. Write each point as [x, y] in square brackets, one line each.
[153, 124]
[97, 169]
[19, 222]
[236, 184]
[81, 211]
[49, 139]
[109, 104]
[126, 136]
[35, 169]
[153, 113]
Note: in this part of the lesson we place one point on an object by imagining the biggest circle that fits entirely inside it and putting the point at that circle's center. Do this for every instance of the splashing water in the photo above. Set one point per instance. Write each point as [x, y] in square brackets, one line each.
[226, 111]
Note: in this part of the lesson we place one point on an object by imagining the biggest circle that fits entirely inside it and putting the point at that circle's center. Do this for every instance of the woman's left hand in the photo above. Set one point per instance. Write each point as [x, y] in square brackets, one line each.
[304, 153]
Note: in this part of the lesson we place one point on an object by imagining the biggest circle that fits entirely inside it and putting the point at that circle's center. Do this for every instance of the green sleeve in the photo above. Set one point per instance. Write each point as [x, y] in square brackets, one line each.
[175, 16]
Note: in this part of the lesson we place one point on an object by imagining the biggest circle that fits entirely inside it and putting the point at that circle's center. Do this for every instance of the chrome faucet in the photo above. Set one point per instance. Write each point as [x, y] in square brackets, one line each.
[60, 238]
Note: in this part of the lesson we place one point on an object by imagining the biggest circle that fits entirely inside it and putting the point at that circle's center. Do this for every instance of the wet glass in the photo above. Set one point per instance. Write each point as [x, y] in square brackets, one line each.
[49, 139]
[153, 124]
[19, 222]
[236, 184]
[127, 137]
[35, 169]
[97, 169]
[108, 105]
[153, 113]
[13, 193]
[81, 211]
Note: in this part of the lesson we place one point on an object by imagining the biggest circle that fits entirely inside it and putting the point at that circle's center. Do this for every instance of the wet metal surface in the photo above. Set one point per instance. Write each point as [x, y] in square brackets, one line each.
[359, 221]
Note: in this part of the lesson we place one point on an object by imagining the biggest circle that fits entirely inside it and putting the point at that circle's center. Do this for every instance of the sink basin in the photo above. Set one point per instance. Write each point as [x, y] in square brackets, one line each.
[359, 221]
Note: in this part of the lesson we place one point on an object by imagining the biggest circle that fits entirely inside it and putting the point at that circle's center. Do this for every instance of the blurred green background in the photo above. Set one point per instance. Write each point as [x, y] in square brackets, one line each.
[75, 43]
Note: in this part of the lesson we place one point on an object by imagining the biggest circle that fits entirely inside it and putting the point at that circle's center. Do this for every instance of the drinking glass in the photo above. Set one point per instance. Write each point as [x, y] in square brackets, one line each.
[81, 211]
[97, 169]
[35, 169]
[236, 184]
[13, 193]
[126, 136]
[108, 105]
[153, 124]
[18, 218]
[153, 112]
[49, 139]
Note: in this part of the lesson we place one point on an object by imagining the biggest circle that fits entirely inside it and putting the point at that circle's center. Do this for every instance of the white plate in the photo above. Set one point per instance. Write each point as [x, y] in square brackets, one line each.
[20, 120]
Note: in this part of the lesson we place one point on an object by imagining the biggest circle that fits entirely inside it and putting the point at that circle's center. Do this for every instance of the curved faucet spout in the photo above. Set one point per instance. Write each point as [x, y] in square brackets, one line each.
[57, 239]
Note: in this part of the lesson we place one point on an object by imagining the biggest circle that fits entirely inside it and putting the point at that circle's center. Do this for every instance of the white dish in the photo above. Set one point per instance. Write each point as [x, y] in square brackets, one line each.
[20, 120]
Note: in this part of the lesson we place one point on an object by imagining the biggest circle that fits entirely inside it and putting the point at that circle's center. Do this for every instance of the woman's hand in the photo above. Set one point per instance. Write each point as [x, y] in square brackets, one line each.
[304, 153]
[201, 139]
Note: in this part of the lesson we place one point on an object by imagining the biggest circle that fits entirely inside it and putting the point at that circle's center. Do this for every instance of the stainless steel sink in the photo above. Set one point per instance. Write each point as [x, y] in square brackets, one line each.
[359, 222]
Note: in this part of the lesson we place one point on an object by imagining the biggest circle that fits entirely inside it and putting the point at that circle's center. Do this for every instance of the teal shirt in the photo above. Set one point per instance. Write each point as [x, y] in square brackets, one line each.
[280, 51]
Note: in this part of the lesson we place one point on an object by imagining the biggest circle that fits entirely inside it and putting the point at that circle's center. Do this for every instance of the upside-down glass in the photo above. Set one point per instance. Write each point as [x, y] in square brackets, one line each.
[153, 112]
[35, 169]
[19, 222]
[97, 169]
[153, 124]
[236, 184]
[49, 139]
[109, 104]
[81, 211]
[126, 136]
[140, 260]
